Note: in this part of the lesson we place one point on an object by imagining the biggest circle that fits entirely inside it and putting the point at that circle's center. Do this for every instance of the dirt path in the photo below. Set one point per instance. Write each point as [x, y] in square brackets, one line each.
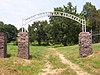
[47, 70]
[76, 68]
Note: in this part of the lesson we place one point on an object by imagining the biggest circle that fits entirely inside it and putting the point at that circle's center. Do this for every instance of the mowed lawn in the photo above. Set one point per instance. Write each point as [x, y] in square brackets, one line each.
[90, 64]
[12, 65]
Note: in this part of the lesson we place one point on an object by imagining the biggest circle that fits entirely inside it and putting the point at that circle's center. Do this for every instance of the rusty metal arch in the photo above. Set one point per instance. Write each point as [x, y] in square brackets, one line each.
[55, 13]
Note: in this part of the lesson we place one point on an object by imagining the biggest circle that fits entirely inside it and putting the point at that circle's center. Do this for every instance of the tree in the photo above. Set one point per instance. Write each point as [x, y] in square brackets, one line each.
[92, 16]
[39, 31]
[89, 12]
[2, 29]
[10, 30]
[64, 30]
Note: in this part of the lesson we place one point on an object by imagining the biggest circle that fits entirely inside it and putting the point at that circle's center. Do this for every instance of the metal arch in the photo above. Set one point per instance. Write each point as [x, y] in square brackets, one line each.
[56, 13]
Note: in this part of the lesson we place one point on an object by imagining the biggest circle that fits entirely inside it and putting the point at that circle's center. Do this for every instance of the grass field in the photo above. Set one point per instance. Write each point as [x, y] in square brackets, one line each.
[17, 66]
[90, 64]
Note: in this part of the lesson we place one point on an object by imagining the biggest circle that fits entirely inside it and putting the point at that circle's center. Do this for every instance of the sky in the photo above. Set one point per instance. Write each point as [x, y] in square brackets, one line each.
[12, 11]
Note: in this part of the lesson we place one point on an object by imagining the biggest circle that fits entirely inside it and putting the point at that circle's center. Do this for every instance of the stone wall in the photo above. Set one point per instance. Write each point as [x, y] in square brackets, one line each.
[23, 45]
[85, 43]
[3, 45]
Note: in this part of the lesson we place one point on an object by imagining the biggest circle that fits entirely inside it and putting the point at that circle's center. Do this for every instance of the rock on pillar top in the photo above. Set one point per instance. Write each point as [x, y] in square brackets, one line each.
[23, 45]
[85, 43]
[3, 45]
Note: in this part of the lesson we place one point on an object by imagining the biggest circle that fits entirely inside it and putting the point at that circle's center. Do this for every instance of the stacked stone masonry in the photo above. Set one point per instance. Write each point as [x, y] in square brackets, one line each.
[23, 45]
[85, 43]
[3, 45]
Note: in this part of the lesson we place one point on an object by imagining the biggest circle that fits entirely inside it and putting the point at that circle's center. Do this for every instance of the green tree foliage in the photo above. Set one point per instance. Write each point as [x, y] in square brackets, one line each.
[39, 31]
[89, 12]
[2, 27]
[64, 30]
[10, 30]
[92, 16]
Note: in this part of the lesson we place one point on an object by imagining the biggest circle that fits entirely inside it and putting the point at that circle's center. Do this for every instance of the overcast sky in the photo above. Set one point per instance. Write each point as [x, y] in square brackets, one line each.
[12, 11]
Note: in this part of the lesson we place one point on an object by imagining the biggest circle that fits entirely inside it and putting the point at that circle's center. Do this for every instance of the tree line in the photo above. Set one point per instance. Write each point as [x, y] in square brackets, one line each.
[10, 30]
[59, 30]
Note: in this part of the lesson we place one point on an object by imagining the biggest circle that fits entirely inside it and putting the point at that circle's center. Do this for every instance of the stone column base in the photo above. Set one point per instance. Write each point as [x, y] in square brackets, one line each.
[3, 45]
[23, 45]
[85, 43]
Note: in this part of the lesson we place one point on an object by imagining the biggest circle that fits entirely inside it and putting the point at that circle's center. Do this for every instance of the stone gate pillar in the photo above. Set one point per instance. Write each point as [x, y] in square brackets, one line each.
[23, 45]
[3, 45]
[85, 43]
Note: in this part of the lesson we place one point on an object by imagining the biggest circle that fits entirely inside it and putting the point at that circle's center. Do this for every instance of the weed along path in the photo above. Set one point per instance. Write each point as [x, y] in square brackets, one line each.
[49, 70]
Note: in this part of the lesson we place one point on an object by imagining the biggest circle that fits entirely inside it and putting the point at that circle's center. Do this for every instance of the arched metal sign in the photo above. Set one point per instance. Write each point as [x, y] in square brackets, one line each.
[55, 13]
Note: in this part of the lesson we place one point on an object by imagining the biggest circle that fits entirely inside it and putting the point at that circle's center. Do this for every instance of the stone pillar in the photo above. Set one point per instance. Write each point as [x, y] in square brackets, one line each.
[3, 45]
[85, 43]
[23, 45]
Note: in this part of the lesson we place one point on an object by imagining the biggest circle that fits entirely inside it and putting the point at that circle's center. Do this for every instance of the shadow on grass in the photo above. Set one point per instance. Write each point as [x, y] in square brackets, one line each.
[8, 56]
[30, 57]
[57, 46]
[39, 45]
